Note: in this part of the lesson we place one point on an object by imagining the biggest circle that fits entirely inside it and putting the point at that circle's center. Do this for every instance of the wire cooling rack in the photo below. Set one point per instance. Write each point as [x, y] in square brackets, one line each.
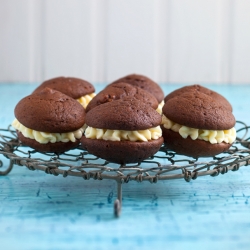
[164, 165]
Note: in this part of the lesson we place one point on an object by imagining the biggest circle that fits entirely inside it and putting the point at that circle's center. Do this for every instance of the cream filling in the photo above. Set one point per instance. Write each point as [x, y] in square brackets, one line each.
[44, 137]
[123, 135]
[84, 100]
[212, 136]
[160, 106]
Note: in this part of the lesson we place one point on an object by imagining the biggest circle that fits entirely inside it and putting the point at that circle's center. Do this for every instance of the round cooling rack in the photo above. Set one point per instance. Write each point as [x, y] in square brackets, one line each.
[164, 165]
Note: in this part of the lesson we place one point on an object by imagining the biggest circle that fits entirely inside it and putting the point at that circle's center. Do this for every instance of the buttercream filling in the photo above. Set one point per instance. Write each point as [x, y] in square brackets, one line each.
[84, 100]
[160, 106]
[123, 135]
[212, 136]
[44, 137]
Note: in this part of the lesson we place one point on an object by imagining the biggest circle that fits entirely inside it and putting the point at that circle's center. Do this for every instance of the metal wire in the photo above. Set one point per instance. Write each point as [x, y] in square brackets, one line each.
[164, 165]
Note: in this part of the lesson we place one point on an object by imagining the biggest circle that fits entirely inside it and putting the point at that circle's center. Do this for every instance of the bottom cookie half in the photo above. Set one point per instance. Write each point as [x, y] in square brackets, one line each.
[194, 148]
[57, 147]
[122, 152]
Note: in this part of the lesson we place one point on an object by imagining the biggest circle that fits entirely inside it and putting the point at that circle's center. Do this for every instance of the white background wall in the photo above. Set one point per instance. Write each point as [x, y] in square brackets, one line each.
[183, 41]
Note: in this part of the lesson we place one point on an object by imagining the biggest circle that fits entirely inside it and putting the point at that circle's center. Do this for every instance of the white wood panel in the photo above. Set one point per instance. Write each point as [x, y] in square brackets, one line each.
[130, 40]
[36, 39]
[192, 41]
[241, 42]
[161, 33]
[99, 40]
[67, 43]
[16, 49]
[224, 41]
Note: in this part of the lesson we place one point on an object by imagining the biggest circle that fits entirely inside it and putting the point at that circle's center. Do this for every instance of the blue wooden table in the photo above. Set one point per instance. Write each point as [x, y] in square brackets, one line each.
[40, 211]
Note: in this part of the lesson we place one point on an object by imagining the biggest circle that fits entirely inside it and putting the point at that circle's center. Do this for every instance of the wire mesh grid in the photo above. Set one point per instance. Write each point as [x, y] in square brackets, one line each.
[164, 165]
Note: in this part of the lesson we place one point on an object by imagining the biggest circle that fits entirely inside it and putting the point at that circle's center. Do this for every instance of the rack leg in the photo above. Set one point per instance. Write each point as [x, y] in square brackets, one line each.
[118, 201]
[8, 169]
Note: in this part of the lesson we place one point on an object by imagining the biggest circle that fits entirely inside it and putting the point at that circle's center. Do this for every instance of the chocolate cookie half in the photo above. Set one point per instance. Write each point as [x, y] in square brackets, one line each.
[123, 131]
[216, 96]
[120, 90]
[196, 125]
[49, 121]
[76, 88]
[144, 83]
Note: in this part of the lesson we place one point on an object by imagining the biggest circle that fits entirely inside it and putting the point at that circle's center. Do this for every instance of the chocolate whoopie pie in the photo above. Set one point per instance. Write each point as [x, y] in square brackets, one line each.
[196, 125]
[145, 83]
[49, 121]
[120, 90]
[76, 88]
[123, 131]
[216, 96]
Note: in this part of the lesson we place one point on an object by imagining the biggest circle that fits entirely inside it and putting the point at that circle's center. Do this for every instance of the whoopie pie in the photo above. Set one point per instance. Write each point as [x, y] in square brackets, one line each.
[145, 83]
[76, 88]
[49, 121]
[123, 131]
[196, 125]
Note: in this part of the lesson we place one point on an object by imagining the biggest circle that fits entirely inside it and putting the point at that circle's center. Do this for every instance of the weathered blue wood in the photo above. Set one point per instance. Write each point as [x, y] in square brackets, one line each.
[40, 211]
